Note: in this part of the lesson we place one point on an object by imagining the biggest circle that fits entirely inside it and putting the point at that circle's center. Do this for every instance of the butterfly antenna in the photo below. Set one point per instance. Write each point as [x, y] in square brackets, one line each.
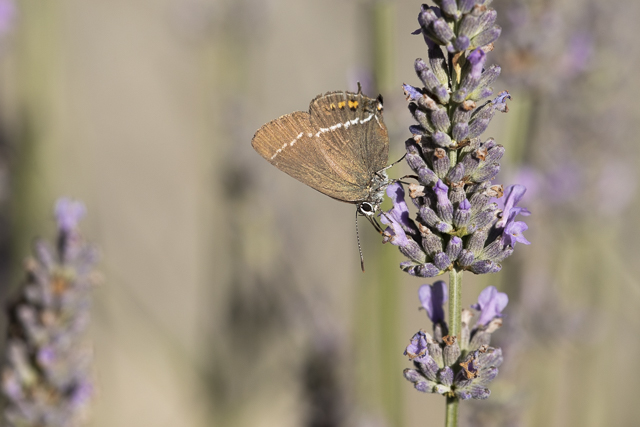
[359, 247]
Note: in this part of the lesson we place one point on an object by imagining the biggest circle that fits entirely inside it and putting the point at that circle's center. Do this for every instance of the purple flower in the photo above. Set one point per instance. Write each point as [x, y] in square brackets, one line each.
[412, 93]
[432, 298]
[514, 194]
[477, 59]
[417, 348]
[512, 230]
[68, 213]
[441, 191]
[490, 304]
[577, 57]
[513, 233]
[397, 217]
[500, 101]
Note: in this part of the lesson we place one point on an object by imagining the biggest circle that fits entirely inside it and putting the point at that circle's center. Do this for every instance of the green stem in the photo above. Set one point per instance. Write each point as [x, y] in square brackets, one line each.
[455, 305]
[455, 310]
[452, 412]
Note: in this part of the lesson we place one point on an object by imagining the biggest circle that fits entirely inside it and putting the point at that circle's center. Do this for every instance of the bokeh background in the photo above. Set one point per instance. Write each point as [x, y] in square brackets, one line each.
[233, 294]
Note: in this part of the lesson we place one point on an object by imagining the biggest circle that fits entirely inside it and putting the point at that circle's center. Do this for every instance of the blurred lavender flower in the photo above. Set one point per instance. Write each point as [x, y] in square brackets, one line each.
[463, 366]
[46, 378]
[68, 214]
[458, 225]
[546, 46]
[8, 12]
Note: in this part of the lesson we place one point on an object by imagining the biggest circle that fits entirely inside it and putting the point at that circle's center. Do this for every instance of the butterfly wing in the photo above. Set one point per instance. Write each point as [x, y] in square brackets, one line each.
[355, 139]
[293, 145]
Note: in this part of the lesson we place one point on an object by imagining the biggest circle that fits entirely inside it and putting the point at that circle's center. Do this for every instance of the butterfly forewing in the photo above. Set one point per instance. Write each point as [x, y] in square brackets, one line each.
[289, 143]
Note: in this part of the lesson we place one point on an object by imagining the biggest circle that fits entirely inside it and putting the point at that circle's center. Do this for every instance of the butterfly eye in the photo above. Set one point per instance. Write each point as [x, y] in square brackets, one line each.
[366, 208]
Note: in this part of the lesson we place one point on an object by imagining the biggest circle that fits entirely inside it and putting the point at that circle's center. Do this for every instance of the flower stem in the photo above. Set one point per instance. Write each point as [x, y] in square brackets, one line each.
[451, 419]
[455, 310]
[455, 307]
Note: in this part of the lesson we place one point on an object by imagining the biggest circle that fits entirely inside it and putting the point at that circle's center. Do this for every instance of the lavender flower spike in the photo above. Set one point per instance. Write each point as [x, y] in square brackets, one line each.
[490, 304]
[46, 378]
[433, 298]
[459, 225]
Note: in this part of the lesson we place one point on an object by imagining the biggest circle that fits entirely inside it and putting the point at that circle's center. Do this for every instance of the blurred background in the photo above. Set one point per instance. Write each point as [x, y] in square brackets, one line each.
[233, 293]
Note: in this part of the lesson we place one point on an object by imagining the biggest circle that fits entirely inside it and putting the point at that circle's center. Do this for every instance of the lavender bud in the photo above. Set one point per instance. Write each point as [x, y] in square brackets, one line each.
[460, 131]
[442, 139]
[432, 244]
[451, 350]
[462, 214]
[412, 375]
[450, 8]
[441, 163]
[480, 393]
[456, 173]
[480, 198]
[435, 351]
[486, 37]
[472, 25]
[421, 117]
[445, 376]
[416, 162]
[494, 154]
[426, 103]
[488, 216]
[461, 43]
[488, 77]
[444, 33]
[457, 193]
[429, 216]
[417, 130]
[476, 241]
[425, 270]
[413, 251]
[479, 125]
[470, 162]
[486, 172]
[465, 6]
[462, 113]
[444, 206]
[440, 119]
[438, 63]
[482, 267]
[430, 81]
[491, 357]
[441, 260]
[504, 254]
[426, 17]
[454, 247]
[411, 93]
[465, 259]
[492, 250]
